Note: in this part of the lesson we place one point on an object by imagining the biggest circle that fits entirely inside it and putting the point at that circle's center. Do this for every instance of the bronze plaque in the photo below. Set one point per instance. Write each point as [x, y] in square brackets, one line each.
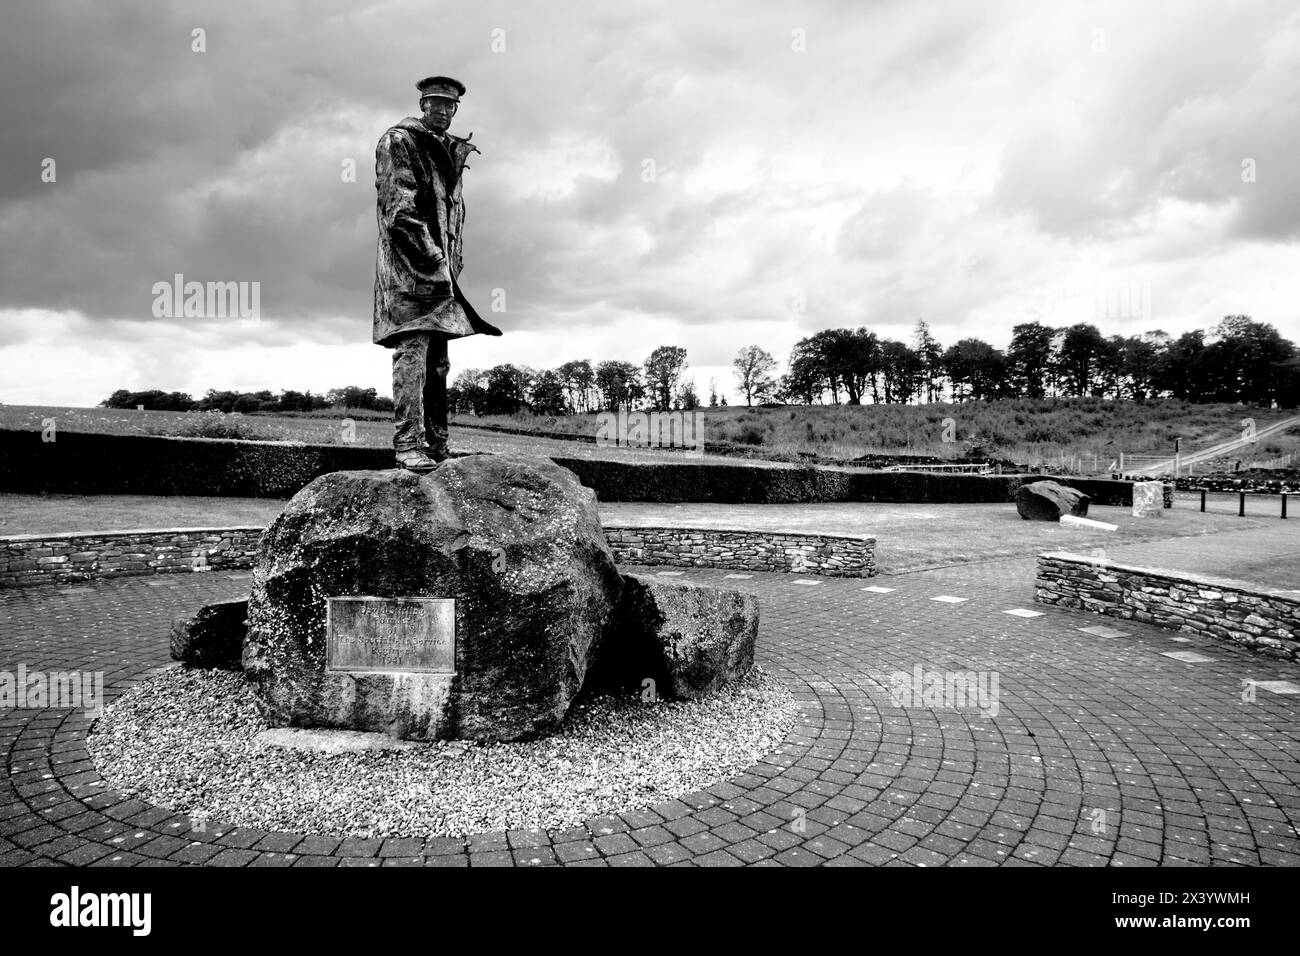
[381, 635]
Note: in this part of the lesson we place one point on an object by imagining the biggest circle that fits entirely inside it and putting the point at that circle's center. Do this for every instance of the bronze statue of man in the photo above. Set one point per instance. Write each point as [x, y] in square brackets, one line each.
[419, 306]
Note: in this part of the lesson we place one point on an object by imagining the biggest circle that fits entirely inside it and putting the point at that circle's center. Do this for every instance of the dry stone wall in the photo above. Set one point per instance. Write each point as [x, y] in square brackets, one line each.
[1212, 607]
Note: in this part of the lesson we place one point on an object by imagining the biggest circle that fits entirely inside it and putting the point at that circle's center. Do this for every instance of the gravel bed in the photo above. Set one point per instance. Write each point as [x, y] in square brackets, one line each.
[184, 740]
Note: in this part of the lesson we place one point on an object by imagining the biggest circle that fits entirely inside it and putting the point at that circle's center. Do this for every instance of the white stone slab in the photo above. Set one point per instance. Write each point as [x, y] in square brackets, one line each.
[1181, 640]
[1279, 686]
[1077, 522]
[1101, 630]
[949, 599]
[1188, 657]
[877, 589]
[1023, 612]
[738, 577]
[808, 581]
[332, 741]
[670, 574]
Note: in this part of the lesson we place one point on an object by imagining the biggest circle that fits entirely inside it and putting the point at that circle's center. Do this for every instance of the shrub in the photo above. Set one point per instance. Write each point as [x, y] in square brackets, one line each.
[212, 424]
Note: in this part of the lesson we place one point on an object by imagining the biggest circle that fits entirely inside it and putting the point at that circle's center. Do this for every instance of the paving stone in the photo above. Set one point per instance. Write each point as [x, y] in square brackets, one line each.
[1201, 779]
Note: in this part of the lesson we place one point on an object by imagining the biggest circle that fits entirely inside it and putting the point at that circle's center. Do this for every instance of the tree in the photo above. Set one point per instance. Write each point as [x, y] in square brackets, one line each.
[353, 396]
[900, 369]
[713, 393]
[578, 381]
[1140, 361]
[930, 354]
[507, 388]
[754, 369]
[1181, 369]
[1083, 350]
[687, 397]
[618, 385]
[468, 393]
[807, 379]
[976, 367]
[1029, 359]
[663, 370]
[548, 394]
[153, 400]
[1249, 360]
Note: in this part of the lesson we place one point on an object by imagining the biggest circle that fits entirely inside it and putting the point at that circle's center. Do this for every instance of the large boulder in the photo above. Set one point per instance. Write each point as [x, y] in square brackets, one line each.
[212, 638]
[688, 639]
[515, 541]
[1047, 501]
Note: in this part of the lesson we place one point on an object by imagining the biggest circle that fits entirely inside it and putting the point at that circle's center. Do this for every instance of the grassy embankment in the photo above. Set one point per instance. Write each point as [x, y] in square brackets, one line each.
[1064, 433]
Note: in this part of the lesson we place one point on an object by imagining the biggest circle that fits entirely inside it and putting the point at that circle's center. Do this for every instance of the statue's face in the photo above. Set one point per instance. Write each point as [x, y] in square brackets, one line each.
[438, 111]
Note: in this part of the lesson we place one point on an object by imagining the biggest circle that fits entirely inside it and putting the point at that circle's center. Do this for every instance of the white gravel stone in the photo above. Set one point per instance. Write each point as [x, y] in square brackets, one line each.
[187, 740]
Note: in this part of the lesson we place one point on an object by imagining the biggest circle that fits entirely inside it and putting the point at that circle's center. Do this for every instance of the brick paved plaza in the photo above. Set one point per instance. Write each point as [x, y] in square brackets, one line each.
[1104, 750]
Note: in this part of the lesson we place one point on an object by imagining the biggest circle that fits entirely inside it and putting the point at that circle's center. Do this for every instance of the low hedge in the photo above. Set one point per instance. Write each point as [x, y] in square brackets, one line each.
[94, 464]
[79, 463]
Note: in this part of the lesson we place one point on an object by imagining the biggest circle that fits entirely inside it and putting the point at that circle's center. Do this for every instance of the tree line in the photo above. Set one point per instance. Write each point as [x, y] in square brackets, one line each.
[1238, 360]
[351, 396]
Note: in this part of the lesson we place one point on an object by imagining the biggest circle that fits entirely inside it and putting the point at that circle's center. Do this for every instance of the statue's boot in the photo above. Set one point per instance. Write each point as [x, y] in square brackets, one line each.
[438, 445]
[417, 461]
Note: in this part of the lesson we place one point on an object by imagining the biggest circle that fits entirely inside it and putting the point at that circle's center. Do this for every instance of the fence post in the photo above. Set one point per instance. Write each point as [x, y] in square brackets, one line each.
[1241, 507]
[1284, 504]
[1202, 499]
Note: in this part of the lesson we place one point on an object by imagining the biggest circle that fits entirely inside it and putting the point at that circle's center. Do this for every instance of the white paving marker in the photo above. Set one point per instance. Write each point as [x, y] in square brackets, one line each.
[1188, 657]
[1102, 630]
[738, 577]
[877, 589]
[949, 599]
[808, 581]
[1023, 612]
[1279, 686]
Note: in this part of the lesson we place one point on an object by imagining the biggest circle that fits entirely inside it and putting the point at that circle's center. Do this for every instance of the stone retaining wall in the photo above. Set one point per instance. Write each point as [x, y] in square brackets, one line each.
[848, 557]
[65, 559]
[1212, 607]
[70, 558]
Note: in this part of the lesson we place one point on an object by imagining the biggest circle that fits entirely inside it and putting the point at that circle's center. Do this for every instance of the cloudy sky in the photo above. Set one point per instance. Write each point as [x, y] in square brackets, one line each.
[669, 172]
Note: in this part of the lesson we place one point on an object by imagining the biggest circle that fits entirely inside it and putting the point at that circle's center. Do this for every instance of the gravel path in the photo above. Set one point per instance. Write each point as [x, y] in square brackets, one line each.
[184, 740]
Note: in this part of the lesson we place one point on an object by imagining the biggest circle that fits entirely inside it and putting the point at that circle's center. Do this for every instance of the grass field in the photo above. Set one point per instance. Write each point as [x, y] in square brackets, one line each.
[1072, 434]
[1032, 431]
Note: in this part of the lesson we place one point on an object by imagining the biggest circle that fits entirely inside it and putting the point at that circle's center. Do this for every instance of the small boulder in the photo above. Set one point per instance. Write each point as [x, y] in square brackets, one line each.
[212, 638]
[1048, 500]
[687, 638]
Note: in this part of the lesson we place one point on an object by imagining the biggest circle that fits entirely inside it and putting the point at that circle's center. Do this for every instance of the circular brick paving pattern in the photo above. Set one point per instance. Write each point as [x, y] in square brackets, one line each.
[1100, 750]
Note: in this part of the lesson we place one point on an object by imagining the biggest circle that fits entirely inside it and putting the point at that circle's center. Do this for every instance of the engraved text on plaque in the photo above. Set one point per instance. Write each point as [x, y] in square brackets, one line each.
[377, 635]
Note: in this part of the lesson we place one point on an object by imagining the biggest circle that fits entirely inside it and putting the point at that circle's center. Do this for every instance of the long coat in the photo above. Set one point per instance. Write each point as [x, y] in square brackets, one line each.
[420, 214]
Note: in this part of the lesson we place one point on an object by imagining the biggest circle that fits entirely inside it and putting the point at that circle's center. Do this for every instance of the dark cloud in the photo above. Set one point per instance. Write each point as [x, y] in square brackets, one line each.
[915, 161]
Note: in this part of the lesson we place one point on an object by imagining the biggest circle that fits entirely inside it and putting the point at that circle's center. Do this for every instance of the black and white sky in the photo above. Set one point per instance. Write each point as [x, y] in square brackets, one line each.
[704, 174]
